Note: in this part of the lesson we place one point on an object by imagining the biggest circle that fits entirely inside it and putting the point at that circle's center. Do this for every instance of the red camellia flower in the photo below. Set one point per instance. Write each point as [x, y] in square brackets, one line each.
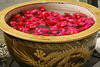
[34, 11]
[71, 30]
[25, 12]
[49, 23]
[12, 23]
[22, 18]
[29, 15]
[16, 15]
[42, 9]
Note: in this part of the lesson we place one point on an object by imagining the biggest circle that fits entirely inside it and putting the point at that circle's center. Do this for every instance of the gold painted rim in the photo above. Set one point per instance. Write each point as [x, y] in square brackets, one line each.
[50, 39]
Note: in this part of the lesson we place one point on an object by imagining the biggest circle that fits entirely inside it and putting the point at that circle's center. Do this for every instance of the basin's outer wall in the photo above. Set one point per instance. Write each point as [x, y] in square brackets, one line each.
[69, 54]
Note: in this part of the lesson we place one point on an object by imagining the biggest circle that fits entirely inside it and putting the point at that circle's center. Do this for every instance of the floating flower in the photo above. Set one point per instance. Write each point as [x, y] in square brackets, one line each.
[25, 12]
[22, 18]
[71, 30]
[54, 28]
[55, 14]
[29, 15]
[53, 32]
[34, 11]
[42, 9]
[49, 23]
[12, 23]
[16, 15]
[79, 15]
[35, 33]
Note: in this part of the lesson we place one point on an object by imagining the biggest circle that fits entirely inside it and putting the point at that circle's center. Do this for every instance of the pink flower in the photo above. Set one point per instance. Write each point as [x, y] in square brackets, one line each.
[44, 12]
[21, 28]
[55, 14]
[45, 30]
[87, 26]
[61, 24]
[53, 28]
[74, 25]
[15, 27]
[42, 9]
[35, 33]
[69, 20]
[69, 24]
[43, 24]
[19, 23]
[35, 23]
[25, 31]
[50, 23]
[89, 21]
[16, 15]
[12, 23]
[81, 23]
[72, 30]
[61, 31]
[40, 21]
[38, 15]
[68, 15]
[83, 19]
[22, 18]
[50, 12]
[34, 11]
[53, 32]
[31, 26]
[25, 12]
[42, 30]
[79, 15]
[29, 15]
[61, 18]
[31, 19]
[26, 23]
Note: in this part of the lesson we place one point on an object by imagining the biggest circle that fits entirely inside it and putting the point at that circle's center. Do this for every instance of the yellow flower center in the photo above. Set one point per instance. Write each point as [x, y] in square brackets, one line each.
[42, 9]
[20, 28]
[77, 14]
[80, 24]
[72, 32]
[54, 14]
[10, 22]
[28, 15]
[62, 25]
[43, 13]
[30, 20]
[30, 27]
[70, 20]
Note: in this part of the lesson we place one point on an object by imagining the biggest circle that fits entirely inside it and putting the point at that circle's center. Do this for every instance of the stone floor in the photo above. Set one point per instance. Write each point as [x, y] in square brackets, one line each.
[7, 3]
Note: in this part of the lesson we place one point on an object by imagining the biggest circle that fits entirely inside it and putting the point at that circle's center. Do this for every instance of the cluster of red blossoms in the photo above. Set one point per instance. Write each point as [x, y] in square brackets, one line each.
[50, 23]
